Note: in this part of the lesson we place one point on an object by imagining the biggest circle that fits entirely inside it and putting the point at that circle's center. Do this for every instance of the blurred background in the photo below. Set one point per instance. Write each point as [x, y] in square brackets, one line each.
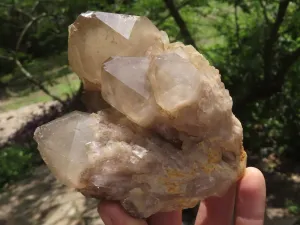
[255, 45]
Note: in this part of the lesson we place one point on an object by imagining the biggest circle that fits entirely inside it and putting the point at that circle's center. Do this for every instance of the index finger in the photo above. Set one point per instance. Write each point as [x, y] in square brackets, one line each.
[113, 214]
[251, 198]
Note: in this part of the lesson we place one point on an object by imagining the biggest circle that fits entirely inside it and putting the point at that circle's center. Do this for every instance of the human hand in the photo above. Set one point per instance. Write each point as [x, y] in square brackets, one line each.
[246, 199]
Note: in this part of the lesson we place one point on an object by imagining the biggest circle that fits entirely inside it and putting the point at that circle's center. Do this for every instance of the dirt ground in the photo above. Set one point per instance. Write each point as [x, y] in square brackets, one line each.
[13, 120]
[41, 200]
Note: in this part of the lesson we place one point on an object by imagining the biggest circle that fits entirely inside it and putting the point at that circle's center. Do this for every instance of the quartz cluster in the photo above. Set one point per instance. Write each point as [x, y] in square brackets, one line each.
[169, 137]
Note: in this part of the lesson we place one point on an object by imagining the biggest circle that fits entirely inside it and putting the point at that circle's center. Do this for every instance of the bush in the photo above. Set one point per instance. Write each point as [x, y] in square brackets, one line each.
[293, 207]
[16, 162]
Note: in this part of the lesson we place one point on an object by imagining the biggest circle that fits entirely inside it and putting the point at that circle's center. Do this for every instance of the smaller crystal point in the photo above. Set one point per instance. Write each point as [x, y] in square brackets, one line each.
[131, 71]
[62, 143]
[127, 88]
[175, 82]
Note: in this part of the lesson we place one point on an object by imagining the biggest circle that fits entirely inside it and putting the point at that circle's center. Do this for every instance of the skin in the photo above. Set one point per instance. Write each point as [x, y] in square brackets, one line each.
[247, 198]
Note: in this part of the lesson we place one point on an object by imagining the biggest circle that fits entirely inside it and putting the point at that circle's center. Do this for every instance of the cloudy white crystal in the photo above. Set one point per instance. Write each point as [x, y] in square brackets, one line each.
[131, 71]
[175, 81]
[169, 139]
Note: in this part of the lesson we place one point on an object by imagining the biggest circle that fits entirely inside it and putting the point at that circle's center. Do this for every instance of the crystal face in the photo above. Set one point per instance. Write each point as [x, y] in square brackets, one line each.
[169, 137]
[96, 36]
[172, 88]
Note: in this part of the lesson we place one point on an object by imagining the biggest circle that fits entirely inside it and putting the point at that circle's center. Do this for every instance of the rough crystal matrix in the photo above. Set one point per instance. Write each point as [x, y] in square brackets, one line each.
[169, 138]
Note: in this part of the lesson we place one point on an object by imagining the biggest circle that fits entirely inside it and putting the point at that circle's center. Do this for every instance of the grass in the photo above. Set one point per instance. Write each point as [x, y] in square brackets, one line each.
[16, 162]
[293, 207]
[43, 70]
[61, 87]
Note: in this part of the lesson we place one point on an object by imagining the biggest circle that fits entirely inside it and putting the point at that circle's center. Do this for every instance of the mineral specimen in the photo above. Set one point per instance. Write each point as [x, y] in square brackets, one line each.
[169, 137]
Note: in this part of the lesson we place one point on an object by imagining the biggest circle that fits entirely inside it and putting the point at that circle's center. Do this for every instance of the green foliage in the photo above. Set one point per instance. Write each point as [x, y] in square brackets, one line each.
[45, 70]
[15, 163]
[64, 87]
[293, 208]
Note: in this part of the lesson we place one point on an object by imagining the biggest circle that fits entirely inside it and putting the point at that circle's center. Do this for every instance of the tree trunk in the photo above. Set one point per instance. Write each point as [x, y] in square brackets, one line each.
[187, 37]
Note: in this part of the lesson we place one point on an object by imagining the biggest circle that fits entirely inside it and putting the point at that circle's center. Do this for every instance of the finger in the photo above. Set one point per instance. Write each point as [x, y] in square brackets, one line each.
[217, 210]
[166, 218]
[251, 198]
[113, 214]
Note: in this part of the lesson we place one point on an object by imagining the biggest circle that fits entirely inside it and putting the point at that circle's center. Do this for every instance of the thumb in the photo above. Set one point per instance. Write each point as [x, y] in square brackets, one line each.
[113, 214]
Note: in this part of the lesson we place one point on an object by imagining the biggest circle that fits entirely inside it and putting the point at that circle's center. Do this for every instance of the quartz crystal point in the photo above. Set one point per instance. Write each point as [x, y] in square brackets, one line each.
[96, 36]
[168, 138]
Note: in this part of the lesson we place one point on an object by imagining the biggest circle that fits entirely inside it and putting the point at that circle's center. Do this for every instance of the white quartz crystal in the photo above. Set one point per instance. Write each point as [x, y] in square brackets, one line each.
[169, 138]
